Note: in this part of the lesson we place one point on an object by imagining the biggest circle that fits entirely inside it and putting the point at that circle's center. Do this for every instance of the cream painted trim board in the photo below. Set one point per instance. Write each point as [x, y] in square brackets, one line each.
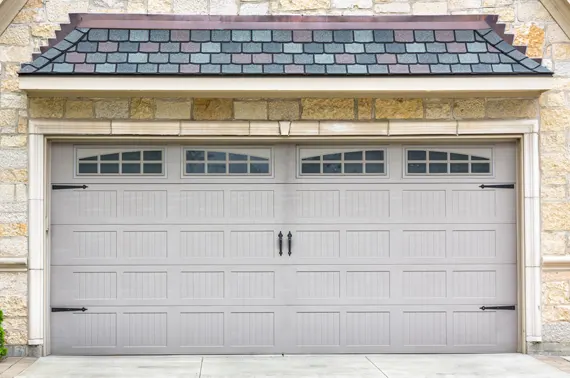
[556, 262]
[560, 12]
[279, 128]
[8, 10]
[105, 86]
[529, 244]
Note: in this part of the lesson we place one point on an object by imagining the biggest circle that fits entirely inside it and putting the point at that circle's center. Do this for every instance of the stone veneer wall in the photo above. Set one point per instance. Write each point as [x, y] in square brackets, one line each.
[527, 19]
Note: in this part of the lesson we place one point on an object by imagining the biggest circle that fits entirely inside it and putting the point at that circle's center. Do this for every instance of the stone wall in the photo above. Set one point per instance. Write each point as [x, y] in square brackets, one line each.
[527, 19]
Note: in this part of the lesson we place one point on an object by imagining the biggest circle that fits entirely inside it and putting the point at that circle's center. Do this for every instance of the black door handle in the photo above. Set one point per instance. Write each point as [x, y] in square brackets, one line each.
[68, 309]
[289, 237]
[497, 308]
[280, 236]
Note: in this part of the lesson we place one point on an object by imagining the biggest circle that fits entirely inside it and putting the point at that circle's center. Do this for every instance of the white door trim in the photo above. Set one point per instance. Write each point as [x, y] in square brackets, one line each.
[41, 131]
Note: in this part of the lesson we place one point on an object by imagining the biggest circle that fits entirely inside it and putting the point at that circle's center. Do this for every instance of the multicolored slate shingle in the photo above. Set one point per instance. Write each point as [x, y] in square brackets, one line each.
[317, 52]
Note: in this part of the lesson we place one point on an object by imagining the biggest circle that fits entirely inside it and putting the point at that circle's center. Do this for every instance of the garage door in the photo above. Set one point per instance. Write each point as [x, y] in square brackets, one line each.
[174, 249]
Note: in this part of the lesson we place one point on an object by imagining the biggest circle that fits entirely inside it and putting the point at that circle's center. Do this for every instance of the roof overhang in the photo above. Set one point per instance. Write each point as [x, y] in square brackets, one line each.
[438, 86]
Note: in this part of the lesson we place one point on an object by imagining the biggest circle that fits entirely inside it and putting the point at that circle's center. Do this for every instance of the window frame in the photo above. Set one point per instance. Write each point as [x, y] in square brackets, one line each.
[463, 150]
[99, 151]
[333, 149]
[243, 150]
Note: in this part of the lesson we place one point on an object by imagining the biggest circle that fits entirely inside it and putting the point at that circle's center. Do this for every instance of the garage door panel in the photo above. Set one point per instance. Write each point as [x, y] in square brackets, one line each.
[168, 204]
[400, 329]
[402, 244]
[169, 330]
[164, 244]
[167, 285]
[401, 203]
[401, 284]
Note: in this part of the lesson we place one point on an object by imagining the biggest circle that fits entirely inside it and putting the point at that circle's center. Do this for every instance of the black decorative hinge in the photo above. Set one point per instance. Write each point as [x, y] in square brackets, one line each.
[501, 186]
[496, 308]
[67, 309]
[61, 187]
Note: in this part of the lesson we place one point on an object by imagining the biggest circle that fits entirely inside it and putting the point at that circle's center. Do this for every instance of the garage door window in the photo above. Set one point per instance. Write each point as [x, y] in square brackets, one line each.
[213, 162]
[339, 162]
[120, 162]
[438, 162]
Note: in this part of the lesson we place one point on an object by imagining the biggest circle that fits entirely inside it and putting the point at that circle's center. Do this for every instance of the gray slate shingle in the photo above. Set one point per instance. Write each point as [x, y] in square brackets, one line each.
[282, 52]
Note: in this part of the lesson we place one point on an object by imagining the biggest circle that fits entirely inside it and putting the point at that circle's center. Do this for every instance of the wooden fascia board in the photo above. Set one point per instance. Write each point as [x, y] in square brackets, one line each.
[8, 10]
[560, 11]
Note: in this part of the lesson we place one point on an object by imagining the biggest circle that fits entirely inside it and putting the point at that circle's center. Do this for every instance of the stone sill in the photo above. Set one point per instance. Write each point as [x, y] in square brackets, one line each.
[13, 264]
[556, 262]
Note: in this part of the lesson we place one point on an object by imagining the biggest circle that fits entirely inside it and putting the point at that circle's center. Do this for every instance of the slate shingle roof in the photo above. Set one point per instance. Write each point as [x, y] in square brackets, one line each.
[282, 51]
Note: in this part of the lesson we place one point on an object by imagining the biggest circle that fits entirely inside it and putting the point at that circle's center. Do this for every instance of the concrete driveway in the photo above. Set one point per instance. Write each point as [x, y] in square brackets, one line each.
[382, 366]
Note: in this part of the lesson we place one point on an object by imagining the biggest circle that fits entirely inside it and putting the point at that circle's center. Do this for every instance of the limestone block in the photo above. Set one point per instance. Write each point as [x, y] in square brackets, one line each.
[17, 35]
[254, 9]
[212, 109]
[30, 16]
[552, 179]
[97, 5]
[553, 98]
[13, 158]
[553, 192]
[16, 330]
[11, 100]
[553, 141]
[554, 119]
[44, 30]
[112, 109]
[13, 246]
[553, 243]
[142, 108]
[365, 108]
[506, 14]
[555, 164]
[532, 11]
[13, 140]
[22, 125]
[392, 8]
[429, 8]
[530, 35]
[327, 108]
[78, 109]
[555, 216]
[8, 118]
[159, 6]
[464, 4]
[13, 175]
[224, 7]
[13, 229]
[9, 84]
[295, 5]
[471, 108]
[250, 110]
[190, 6]
[549, 275]
[438, 110]
[555, 292]
[13, 284]
[399, 108]
[497, 3]
[59, 10]
[512, 108]
[555, 34]
[47, 107]
[34, 4]
[358, 4]
[553, 314]
[7, 192]
[173, 109]
[20, 54]
[14, 306]
[284, 110]
[137, 6]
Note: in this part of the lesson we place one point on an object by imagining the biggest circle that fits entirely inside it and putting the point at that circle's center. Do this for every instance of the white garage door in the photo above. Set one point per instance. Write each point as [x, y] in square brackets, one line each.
[283, 249]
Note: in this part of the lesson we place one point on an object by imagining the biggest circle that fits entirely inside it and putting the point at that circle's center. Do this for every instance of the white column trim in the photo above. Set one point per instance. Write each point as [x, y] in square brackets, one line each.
[530, 260]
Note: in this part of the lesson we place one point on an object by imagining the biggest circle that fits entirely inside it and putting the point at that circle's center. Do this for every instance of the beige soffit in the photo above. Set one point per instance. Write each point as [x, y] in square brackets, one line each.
[560, 11]
[101, 86]
[8, 10]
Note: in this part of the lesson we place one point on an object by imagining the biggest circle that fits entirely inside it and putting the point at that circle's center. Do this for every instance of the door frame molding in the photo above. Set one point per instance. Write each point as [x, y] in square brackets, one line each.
[524, 132]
